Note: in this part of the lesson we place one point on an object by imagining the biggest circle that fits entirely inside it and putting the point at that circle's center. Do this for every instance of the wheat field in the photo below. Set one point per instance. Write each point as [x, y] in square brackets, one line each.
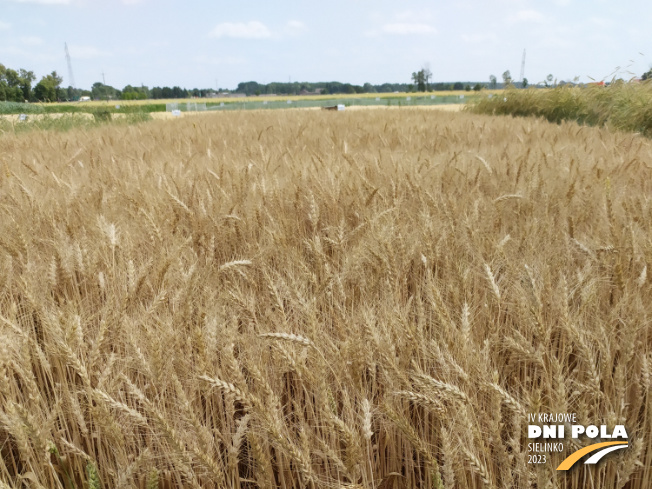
[305, 299]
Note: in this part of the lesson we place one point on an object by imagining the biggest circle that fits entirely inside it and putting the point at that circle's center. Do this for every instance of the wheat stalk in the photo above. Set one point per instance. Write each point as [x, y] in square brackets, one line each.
[492, 281]
[292, 338]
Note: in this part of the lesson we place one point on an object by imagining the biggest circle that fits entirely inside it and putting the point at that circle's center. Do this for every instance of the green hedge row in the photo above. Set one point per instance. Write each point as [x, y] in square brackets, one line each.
[624, 106]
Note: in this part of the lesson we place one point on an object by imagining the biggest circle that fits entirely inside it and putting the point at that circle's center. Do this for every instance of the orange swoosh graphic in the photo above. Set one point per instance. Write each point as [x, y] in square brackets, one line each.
[575, 456]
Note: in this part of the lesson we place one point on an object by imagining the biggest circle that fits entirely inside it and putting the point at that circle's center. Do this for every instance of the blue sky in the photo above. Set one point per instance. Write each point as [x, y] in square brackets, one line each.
[198, 43]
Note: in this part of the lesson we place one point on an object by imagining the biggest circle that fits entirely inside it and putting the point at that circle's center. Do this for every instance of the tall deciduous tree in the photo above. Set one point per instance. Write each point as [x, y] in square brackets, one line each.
[25, 79]
[104, 92]
[47, 90]
[427, 75]
[507, 78]
[421, 78]
[492, 81]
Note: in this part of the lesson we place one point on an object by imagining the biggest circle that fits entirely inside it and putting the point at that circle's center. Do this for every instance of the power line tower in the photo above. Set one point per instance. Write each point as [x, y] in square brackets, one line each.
[70, 75]
[523, 67]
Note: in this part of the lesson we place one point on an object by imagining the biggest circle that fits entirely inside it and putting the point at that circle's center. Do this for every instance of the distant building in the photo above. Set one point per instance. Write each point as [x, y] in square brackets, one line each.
[85, 98]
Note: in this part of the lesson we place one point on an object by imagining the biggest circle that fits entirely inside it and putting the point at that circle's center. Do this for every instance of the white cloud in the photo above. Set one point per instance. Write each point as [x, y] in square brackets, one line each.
[295, 27]
[4, 26]
[31, 40]
[527, 16]
[408, 28]
[241, 30]
[44, 2]
[87, 52]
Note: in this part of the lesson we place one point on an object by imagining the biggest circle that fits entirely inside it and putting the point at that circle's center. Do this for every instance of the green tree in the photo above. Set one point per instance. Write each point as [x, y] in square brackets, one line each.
[178, 92]
[47, 90]
[134, 93]
[524, 83]
[646, 76]
[10, 85]
[419, 79]
[427, 75]
[249, 87]
[104, 92]
[12, 77]
[507, 78]
[477, 87]
[73, 93]
[3, 83]
[26, 78]
[44, 92]
[492, 81]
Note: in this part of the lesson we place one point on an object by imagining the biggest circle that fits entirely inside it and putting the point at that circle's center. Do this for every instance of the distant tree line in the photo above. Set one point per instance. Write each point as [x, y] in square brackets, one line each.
[327, 88]
[100, 91]
[17, 86]
[296, 88]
